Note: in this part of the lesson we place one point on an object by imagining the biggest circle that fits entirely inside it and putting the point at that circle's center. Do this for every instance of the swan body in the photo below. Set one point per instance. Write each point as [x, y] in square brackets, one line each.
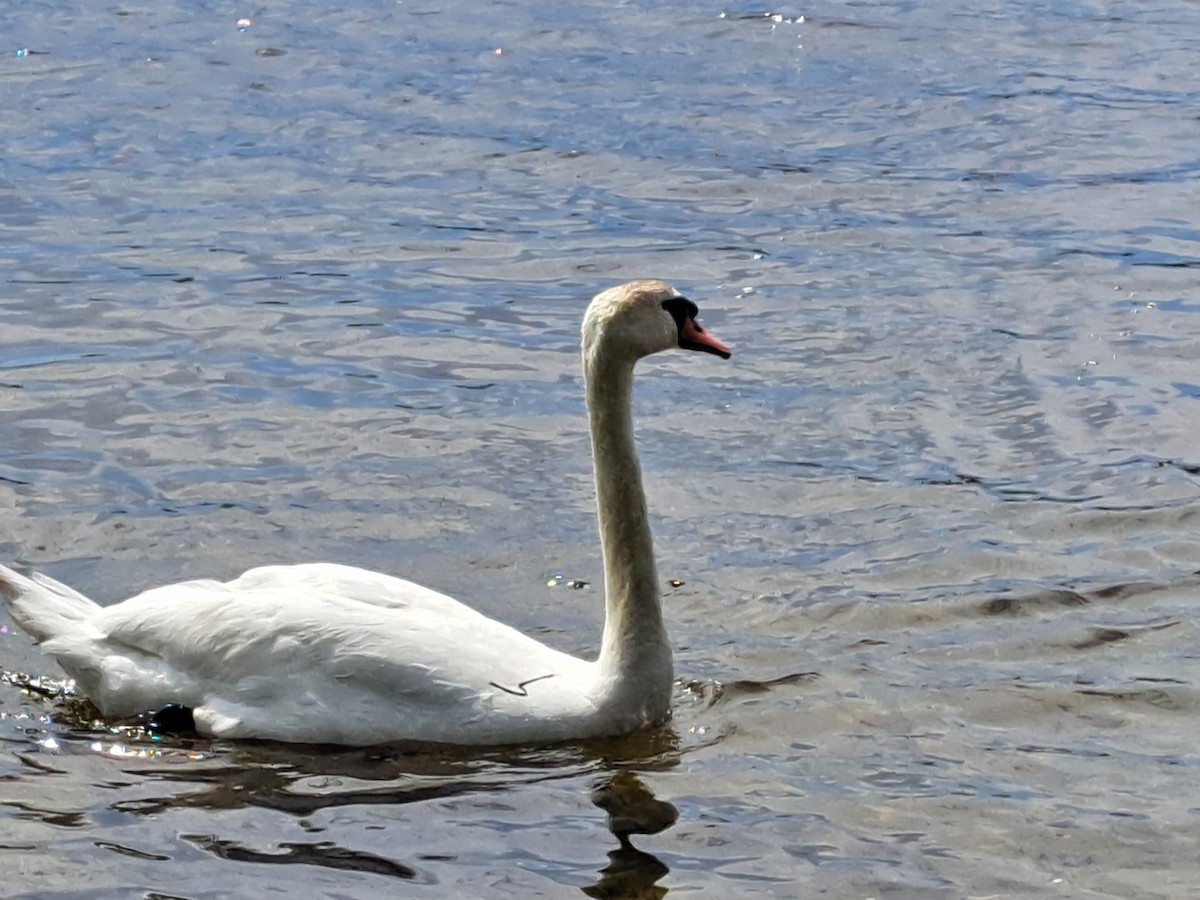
[325, 653]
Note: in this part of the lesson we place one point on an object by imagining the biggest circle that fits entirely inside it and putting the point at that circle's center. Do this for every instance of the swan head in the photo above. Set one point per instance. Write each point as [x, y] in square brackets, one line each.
[638, 318]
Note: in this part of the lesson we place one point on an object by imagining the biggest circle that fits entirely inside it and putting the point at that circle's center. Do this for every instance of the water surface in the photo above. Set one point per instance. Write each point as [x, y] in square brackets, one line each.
[308, 287]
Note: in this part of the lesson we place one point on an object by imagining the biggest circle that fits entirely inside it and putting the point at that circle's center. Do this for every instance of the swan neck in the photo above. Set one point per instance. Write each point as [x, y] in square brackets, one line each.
[634, 649]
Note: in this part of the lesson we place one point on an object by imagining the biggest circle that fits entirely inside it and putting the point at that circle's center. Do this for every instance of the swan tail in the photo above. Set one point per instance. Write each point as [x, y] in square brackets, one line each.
[43, 607]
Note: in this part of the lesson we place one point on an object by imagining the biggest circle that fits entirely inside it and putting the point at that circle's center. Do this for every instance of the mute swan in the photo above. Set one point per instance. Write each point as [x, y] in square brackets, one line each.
[324, 653]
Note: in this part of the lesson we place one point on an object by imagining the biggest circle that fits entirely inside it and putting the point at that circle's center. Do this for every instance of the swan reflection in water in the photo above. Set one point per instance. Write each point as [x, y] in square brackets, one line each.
[218, 776]
[632, 809]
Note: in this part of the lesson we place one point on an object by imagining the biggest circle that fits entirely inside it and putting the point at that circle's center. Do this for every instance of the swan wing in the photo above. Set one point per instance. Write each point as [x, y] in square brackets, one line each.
[329, 653]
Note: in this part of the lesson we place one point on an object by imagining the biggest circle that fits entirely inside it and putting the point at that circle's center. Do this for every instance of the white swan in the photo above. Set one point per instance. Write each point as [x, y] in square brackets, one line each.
[326, 653]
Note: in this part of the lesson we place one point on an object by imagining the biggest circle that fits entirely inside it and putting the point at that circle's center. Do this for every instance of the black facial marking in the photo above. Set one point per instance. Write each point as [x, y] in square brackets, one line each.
[681, 309]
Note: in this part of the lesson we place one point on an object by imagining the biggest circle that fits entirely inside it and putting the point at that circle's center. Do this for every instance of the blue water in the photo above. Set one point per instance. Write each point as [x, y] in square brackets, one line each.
[308, 287]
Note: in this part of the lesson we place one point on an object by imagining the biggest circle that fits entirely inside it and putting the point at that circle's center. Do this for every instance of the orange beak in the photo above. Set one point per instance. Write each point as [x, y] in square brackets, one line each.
[693, 337]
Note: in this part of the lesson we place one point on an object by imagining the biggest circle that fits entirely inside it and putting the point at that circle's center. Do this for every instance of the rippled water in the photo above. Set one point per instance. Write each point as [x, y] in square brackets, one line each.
[308, 286]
